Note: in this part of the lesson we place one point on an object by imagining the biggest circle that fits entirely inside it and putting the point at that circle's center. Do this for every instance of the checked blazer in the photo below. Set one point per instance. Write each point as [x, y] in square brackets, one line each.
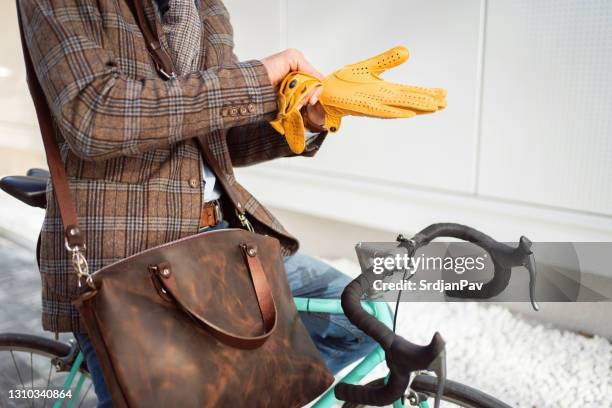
[126, 134]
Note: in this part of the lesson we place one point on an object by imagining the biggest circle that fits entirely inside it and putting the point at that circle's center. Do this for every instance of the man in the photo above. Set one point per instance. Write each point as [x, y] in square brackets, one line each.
[127, 140]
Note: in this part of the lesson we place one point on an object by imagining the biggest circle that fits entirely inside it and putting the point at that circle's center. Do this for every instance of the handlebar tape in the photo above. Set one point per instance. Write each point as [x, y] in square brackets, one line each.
[402, 356]
[351, 305]
[503, 256]
[374, 395]
[398, 382]
[459, 231]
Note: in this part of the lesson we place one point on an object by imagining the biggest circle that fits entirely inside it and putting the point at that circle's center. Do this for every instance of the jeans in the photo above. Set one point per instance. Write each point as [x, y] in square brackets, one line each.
[339, 342]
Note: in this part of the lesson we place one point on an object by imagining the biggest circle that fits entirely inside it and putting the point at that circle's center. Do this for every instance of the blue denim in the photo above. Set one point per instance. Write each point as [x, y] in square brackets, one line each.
[339, 342]
[337, 339]
[104, 397]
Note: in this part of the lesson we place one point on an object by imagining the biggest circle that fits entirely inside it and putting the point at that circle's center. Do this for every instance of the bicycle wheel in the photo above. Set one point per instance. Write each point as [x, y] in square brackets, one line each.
[33, 367]
[455, 393]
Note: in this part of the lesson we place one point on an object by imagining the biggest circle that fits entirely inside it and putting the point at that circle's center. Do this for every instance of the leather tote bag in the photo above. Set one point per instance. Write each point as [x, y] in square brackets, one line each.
[208, 320]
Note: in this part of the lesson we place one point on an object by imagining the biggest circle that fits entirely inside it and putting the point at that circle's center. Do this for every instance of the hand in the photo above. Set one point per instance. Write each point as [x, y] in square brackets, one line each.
[298, 92]
[314, 117]
[282, 63]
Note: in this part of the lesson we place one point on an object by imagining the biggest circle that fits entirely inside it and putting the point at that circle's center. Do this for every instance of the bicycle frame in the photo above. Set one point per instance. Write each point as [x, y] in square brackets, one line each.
[328, 399]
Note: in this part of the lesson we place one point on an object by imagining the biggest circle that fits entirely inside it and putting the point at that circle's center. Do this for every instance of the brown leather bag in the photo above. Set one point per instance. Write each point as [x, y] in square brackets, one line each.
[208, 320]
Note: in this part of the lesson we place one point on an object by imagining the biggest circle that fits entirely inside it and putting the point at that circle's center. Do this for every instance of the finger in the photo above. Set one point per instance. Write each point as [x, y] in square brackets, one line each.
[305, 66]
[306, 98]
[300, 63]
[382, 110]
[437, 94]
[315, 96]
[382, 62]
[440, 92]
[394, 112]
[400, 96]
[414, 101]
[434, 92]
[376, 109]
[316, 114]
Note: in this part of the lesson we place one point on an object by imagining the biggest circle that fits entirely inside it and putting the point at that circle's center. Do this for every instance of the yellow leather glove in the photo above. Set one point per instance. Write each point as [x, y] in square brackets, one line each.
[358, 90]
[291, 95]
[355, 90]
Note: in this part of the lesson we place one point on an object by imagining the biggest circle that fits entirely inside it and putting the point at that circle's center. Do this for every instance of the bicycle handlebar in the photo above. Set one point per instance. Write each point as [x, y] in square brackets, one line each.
[402, 356]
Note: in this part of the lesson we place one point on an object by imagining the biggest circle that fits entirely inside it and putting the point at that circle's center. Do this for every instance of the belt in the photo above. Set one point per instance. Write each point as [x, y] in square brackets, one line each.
[210, 215]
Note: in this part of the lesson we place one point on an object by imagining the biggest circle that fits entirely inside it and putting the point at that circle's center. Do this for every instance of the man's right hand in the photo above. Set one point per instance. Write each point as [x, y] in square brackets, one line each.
[282, 63]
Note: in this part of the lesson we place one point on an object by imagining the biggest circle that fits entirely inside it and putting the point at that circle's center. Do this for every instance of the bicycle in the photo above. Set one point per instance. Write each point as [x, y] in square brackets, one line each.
[403, 385]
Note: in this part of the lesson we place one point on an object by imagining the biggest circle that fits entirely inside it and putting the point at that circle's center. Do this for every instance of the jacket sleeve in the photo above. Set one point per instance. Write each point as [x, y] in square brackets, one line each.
[259, 142]
[104, 113]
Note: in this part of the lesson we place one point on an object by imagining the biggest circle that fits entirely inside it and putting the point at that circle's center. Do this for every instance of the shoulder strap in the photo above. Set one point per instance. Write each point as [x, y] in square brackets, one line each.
[72, 232]
[160, 56]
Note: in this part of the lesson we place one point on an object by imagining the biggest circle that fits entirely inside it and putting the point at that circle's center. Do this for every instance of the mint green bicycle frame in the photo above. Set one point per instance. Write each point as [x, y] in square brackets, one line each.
[327, 400]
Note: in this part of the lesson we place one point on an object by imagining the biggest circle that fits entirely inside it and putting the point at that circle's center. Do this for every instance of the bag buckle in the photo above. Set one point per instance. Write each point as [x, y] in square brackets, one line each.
[79, 263]
[166, 75]
[245, 221]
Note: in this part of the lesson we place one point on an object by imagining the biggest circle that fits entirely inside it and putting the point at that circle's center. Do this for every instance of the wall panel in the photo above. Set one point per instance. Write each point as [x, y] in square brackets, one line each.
[547, 100]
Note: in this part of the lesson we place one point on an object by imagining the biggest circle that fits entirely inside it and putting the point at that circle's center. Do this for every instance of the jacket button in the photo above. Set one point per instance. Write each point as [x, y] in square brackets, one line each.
[193, 182]
[233, 111]
[243, 110]
[251, 107]
[224, 112]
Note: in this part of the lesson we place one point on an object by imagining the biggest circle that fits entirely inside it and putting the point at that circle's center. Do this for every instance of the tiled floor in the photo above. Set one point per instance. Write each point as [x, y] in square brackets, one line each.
[20, 300]
[19, 282]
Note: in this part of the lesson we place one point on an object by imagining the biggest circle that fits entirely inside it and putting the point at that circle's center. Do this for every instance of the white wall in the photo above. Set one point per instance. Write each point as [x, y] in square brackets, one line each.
[524, 146]
[20, 144]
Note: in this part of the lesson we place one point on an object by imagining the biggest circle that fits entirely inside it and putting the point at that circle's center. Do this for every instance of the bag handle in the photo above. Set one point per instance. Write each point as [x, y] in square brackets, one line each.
[265, 300]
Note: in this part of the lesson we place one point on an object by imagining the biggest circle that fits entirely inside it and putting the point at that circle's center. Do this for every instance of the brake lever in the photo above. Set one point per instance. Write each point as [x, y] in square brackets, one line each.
[530, 265]
[505, 258]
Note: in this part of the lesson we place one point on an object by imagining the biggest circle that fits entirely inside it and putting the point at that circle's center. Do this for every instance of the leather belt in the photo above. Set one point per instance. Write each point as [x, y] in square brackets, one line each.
[210, 215]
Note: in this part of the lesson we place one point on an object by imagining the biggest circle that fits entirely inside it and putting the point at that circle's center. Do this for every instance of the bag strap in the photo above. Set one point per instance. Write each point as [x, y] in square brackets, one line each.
[158, 53]
[72, 232]
[166, 68]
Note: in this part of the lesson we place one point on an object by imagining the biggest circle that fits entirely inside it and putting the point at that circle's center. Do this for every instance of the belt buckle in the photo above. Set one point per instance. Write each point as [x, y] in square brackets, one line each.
[217, 215]
[217, 212]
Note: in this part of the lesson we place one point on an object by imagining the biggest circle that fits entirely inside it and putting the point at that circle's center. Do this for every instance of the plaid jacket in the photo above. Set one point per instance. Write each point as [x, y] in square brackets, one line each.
[126, 135]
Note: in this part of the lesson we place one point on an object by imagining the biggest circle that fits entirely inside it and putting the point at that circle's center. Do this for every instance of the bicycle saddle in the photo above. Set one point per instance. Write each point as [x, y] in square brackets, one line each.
[29, 189]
